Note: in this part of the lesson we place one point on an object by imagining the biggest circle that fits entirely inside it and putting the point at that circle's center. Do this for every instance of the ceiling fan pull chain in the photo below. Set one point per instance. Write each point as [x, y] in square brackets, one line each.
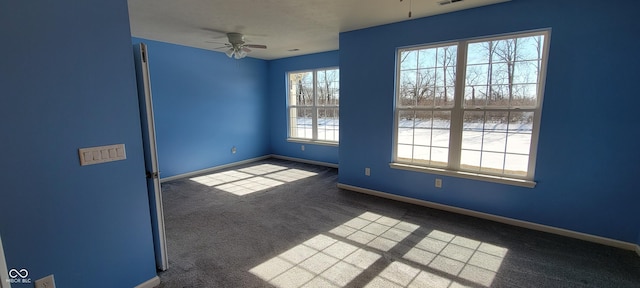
[409, 7]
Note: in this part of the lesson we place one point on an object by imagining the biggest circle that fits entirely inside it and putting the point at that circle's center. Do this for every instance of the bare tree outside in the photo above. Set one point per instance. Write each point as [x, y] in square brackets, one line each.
[427, 77]
[503, 73]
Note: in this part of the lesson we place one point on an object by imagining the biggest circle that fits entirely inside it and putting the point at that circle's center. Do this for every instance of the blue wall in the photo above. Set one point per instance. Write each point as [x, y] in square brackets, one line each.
[586, 162]
[66, 82]
[278, 107]
[205, 103]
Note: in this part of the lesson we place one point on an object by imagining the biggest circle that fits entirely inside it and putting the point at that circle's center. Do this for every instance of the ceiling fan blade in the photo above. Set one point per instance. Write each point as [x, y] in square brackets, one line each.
[223, 47]
[256, 46]
[245, 49]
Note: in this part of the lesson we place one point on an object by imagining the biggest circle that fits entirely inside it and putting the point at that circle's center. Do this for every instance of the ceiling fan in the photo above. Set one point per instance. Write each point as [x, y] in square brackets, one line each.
[237, 48]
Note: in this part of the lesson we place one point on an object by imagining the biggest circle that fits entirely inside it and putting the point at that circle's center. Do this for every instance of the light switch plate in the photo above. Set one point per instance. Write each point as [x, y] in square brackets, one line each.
[46, 282]
[101, 154]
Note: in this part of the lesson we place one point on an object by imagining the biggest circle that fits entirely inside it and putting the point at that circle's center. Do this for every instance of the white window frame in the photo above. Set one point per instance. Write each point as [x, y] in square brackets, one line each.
[314, 107]
[457, 112]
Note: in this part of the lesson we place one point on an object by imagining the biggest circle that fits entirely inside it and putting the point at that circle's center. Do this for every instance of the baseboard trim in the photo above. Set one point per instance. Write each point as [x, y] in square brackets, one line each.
[212, 169]
[505, 220]
[151, 283]
[313, 162]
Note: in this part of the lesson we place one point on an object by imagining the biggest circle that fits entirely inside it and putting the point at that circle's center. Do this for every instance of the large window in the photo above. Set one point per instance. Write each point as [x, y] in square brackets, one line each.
[471, 106]
[314, 98]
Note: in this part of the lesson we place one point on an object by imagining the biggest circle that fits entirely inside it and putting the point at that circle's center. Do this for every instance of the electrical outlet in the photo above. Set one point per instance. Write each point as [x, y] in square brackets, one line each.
[233, 150]
[367, 171]
[302, 147]
[438, 183]
[46, 282]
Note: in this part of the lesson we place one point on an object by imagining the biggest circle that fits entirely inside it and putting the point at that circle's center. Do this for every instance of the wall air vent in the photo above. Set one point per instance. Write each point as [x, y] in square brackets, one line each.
[447, 2]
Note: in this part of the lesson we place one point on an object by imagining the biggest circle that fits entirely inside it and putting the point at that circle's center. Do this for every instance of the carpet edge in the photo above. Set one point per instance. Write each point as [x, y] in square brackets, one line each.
[500, 219]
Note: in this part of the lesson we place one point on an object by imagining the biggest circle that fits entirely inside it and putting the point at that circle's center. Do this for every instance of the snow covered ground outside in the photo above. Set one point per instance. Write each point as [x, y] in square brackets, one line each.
[501, 145]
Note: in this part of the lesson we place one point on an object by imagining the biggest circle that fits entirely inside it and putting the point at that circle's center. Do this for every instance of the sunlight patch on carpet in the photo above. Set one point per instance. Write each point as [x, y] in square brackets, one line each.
[430, 258]
[252, 179]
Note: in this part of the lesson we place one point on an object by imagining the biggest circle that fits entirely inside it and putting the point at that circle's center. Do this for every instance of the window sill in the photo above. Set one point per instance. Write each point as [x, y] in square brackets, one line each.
[316, 142]
[466, 175]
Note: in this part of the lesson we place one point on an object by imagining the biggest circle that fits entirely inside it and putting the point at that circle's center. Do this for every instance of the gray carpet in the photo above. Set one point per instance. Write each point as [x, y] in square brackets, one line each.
[255, 225]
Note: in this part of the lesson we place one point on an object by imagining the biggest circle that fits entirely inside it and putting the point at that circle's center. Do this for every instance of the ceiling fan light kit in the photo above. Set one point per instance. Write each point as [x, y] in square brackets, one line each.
[236, 53]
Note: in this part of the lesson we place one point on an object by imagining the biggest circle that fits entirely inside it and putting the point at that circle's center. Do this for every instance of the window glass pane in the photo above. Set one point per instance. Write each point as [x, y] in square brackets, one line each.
[475, 96]
[531, 47]
[477, 53]
[427, 77]
[421, 154]
[494, 137]
[525, 72]
[500, 73]
[524, 96]
[520, 131]
[406, 124]
[405, 153]
[503, 50]
[427, 58]
[498, 96]
[509, 69]
[426, 87]
[439, 156]
[301, 89]
[492, 163]
[328, 124]
[446, 75]
[473, 124]
[328, 87]
[407, 89]
[518, 143]
[444, 96]
[470, 160]
[408, 59]
[441, 126]
[422, 128]
[301, 123]
[423, 135]
[516, 164]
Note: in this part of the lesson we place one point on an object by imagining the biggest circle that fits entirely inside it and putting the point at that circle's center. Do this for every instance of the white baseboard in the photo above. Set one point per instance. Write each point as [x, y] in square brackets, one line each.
[151, 283]
[505, 220]
[212, 169]
[319, 163]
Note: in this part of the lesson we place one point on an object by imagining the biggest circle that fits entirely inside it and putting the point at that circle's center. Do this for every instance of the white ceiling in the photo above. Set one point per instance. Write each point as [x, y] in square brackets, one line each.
[310, 26]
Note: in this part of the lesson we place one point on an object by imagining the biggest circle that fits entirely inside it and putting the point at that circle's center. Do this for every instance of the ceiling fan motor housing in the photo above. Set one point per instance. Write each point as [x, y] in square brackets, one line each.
[235, 38]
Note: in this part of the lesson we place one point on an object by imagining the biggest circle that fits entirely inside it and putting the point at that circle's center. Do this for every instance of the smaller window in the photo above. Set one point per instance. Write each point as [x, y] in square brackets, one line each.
[313, 105]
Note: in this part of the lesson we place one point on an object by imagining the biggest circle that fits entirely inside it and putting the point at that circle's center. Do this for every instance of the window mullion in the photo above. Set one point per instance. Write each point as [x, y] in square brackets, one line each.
[457, 113]
[314, 120]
